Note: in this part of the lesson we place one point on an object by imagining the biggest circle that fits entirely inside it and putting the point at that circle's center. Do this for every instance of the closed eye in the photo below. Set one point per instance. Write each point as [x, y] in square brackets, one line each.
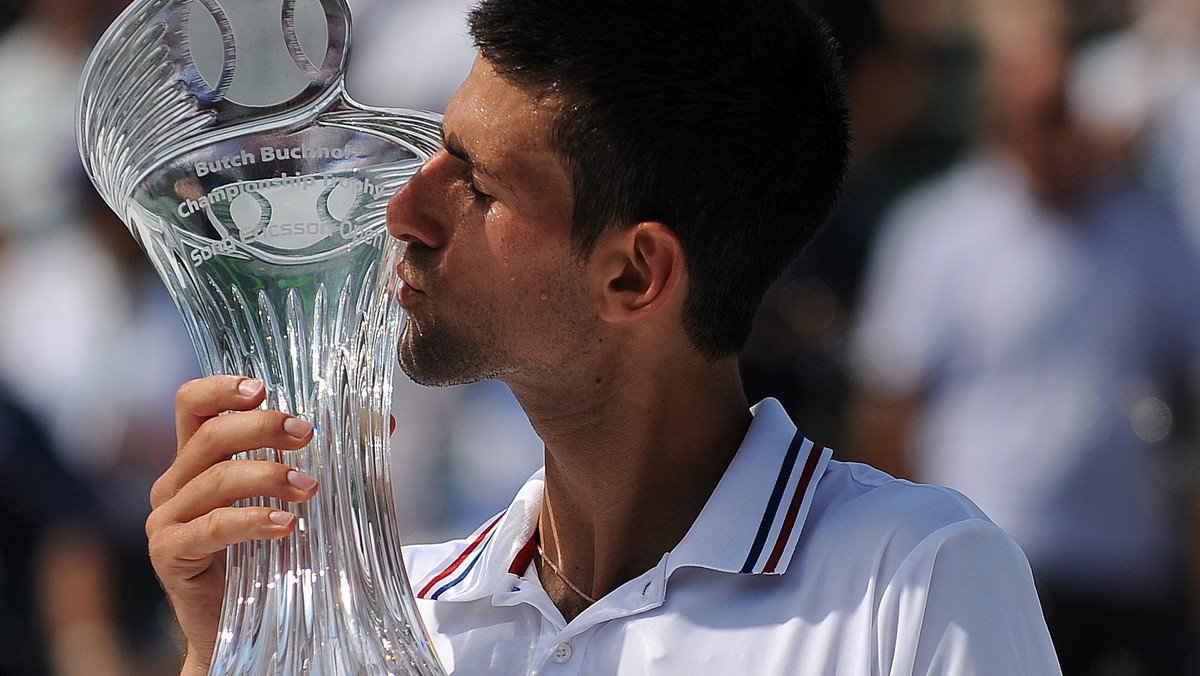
[476, 193]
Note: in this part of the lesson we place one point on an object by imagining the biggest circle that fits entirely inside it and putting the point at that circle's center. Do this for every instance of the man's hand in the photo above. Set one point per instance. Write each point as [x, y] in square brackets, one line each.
[193, 520]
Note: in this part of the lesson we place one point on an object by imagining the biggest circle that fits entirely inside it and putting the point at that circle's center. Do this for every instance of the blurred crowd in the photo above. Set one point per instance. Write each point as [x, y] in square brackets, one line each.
[1006, 302]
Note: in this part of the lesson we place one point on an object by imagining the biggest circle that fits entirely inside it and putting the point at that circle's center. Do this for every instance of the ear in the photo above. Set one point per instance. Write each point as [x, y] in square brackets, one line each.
[636, 270]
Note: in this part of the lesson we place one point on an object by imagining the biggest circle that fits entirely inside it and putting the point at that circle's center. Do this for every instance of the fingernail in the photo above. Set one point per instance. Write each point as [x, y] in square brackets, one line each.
[300, 480]
[281, 518]
[297, 427]
[250, 387]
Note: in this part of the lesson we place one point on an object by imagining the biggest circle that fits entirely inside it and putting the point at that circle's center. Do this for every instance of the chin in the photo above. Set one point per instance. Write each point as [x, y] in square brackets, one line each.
[441, 361]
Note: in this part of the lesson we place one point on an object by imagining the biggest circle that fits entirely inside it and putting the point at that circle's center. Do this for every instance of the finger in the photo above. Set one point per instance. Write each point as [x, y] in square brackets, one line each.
[224, 483]
[192, 544]
[219, 438]
[201, 399]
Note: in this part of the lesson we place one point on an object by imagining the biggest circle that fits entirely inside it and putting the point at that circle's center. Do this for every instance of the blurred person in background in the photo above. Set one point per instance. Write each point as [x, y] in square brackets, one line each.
[88, 334]
[41, 56]
[141, 348]
[1027, 321]
[47, 270]
[911, 79]
[93, 303]
[1139, 88]
[56, 594]
[908, 79]
[47, 267]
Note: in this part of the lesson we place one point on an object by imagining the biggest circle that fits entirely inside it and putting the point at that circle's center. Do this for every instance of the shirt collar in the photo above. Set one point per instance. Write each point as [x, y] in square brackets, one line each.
[750, 525]
[754, 519]
[483, 559]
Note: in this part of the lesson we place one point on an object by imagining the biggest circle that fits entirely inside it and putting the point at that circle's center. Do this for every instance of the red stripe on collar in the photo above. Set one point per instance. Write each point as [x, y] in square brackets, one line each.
[461, 557]
[785, 532]
[524, 557]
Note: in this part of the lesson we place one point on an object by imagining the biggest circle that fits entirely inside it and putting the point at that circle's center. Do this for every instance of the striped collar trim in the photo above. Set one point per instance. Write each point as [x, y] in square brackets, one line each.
[751, 524]
[481, 560]
[778, 523]
[753, 521]
[453, 574]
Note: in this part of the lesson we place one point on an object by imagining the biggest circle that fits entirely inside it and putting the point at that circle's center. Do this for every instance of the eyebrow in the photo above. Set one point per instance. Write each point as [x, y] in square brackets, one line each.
[454, 146]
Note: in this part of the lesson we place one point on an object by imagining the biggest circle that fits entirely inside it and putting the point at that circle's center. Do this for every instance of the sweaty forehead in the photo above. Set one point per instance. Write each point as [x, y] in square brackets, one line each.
[492, 117]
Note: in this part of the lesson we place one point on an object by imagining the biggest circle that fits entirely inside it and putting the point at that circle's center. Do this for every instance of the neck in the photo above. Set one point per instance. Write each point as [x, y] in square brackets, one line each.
[630, 462]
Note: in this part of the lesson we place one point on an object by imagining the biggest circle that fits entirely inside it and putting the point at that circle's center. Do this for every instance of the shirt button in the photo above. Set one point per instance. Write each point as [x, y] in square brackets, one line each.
[562, 653]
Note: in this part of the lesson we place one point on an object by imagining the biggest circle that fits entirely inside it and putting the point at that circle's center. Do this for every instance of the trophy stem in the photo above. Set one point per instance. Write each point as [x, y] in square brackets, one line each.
[332, 597]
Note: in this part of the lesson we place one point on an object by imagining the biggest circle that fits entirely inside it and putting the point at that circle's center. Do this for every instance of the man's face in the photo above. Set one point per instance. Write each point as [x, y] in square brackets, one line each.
[489, 283]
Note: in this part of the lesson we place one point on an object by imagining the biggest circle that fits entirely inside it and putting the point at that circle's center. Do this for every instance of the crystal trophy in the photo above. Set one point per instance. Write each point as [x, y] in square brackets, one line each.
[220, 131]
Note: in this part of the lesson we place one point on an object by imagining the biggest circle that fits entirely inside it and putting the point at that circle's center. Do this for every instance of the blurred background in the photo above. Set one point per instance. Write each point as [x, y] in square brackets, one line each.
[1007, 301]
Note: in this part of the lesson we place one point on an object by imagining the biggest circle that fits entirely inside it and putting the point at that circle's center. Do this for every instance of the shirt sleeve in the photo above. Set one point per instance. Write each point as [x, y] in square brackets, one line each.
[963, 603]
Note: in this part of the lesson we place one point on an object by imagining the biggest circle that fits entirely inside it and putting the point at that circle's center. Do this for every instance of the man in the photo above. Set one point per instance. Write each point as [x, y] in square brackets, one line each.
[619, 185]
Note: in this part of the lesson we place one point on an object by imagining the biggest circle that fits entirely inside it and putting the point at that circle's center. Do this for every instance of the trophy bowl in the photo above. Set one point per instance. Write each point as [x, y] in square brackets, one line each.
[221, 133]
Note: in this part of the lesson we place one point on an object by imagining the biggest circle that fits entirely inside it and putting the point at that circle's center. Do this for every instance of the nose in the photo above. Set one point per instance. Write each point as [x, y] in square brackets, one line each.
[415, 214]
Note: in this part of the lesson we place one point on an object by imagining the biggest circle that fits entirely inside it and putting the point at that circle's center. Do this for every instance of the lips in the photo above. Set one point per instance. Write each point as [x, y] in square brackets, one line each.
[409, 290]
[406, 278]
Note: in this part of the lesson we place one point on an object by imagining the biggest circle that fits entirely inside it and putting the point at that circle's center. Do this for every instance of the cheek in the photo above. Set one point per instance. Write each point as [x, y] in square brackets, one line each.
[516, 251]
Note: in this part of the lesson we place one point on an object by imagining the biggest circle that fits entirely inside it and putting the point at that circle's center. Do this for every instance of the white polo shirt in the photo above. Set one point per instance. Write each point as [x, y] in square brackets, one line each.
[798, 564]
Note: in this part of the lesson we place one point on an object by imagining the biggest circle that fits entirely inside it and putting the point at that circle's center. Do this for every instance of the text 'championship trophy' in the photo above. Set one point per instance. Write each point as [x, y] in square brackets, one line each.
[220, 131]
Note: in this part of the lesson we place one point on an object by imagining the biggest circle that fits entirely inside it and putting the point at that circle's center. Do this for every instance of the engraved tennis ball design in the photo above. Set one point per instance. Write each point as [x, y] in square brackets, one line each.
[290, 39]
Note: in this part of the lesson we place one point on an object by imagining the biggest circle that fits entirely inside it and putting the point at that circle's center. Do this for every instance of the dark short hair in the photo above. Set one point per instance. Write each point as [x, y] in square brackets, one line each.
[723, 119]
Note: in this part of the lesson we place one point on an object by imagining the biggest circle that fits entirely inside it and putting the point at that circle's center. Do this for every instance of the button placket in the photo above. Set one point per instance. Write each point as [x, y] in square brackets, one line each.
[564, 654]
